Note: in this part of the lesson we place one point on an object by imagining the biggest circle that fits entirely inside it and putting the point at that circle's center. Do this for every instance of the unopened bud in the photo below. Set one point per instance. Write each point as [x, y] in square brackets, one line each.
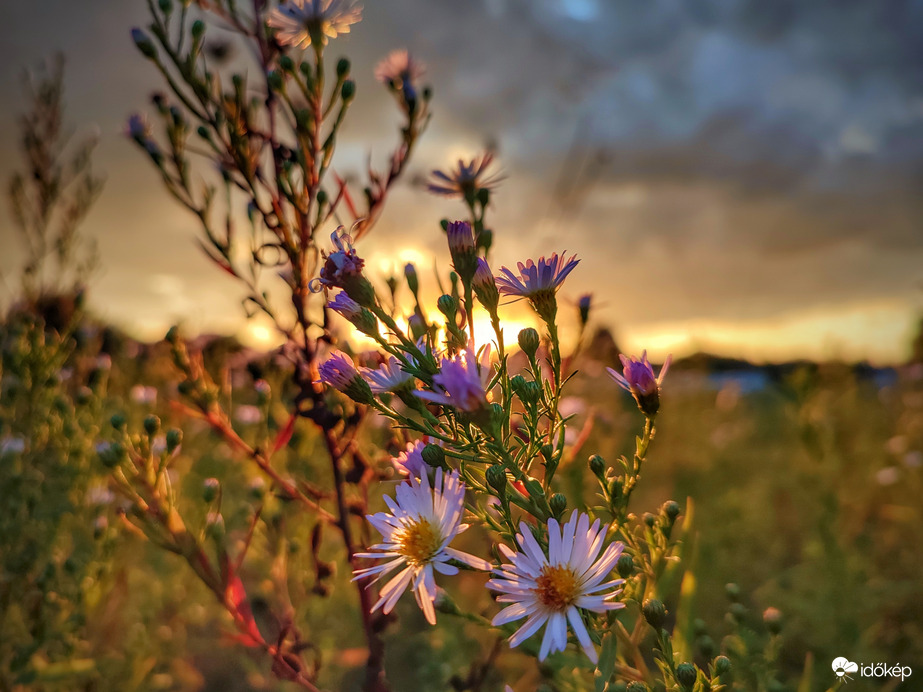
[286, 63]
[144, 43]
[671, 510]
[410, 273]
[732, 590]
[625, 566]
[686, 675]
[210, 489]
[174, 439]
[342, 67]
[151, 425]
[348, 90]
[448, 306]
[598, 466]
[434, 455]
[558, 504]
[198, 29]
[722, 665]
[118, 421]
[529, 341]
[637, 686]
[772, 618]
[654, 612]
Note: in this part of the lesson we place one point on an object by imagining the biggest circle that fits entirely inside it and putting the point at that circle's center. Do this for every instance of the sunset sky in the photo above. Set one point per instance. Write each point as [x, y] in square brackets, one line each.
[742, 177]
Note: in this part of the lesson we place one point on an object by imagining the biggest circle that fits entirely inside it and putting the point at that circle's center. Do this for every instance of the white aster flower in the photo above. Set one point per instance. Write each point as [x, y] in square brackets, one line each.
[299, 22]
[416, 536]
[552, 590]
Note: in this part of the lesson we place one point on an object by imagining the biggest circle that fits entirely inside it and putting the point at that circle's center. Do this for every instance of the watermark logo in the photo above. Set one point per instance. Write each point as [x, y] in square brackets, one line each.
[846, 670]
[843, 667]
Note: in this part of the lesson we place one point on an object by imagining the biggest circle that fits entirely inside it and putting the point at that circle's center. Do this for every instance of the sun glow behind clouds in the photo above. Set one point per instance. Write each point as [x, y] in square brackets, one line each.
[879, 331]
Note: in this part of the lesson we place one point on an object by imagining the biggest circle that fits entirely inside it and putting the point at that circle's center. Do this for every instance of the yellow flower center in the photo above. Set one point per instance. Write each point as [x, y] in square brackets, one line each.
[419, 542]
[556, 588]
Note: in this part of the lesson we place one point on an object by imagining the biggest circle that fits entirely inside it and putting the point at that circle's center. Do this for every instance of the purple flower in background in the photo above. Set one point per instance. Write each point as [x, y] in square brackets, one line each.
[339, 372]
[300, 22]
[461, 382]
[400, 72]
[466, 179]
[638, 378]
[410, 462]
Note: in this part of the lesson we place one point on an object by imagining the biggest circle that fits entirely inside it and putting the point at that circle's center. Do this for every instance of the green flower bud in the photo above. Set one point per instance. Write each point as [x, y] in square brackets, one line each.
[686, 675]
[210, 489]
[732, 590]
[286, 63]
[342, 67]
[699, 626]
[348, 90]
[410, 274]
[649, 519]
[118, 421]
[738, 611]
[486, 237]
[615, 488]
[625, 566]
[483, 196]
[654, 612]
[144, 44]
[151, 425]
[637, 687]
[671, 510]
[434, 455]
[529, 341]
[558, 504]
[722, 665]
[214, 526]
[166, 6]
[598, 466]
[772, 618]
[257, 488]
[203, 132]
[198, 29]
[275, 80]
[448, 306]
[174, 439]
[496, 478]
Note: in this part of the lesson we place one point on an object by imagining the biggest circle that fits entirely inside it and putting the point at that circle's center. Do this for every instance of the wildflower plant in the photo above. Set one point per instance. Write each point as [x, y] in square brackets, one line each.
[476, 433]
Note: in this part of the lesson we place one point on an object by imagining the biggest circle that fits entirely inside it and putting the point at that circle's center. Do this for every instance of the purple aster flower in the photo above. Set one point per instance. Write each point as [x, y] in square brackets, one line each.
[343, 269]
[463, 249]
[400, 72]
[461, 382]
[301, 22]
[339, 372]
[360, 318]
[410, 462]
[465, 180]
[485, 287]
[583, 307]
[538, 282]
[638, 378]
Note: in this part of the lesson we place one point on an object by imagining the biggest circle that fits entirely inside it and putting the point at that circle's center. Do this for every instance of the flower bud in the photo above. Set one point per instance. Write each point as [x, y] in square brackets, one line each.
[496, 478]
[598, 466]
[151, 425]
[118, 421]
[558, 504]
[257, 488]
[772, 618]
[649, 519]
[286, 63]
[485, 287]
[434, 455]
[485, 239]
[654, 612]
[463, 250]
[342, 67]
[583, 308]
[686, 675]
[174, 439]
[214, 526]
[166, 6]
[722, 665]
[348, 91]
[706, 645]
[144, 43]
[275, 80]
[671, 510]
[210, 489]
[410, 274]
[732, 590]
[198, 29]
[529, 341]
[448, 306]
[417, 326]
[637, 686]
[625, 566]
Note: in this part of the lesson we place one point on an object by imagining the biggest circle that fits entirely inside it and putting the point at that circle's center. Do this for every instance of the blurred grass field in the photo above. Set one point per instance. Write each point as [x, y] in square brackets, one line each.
[805, 480]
